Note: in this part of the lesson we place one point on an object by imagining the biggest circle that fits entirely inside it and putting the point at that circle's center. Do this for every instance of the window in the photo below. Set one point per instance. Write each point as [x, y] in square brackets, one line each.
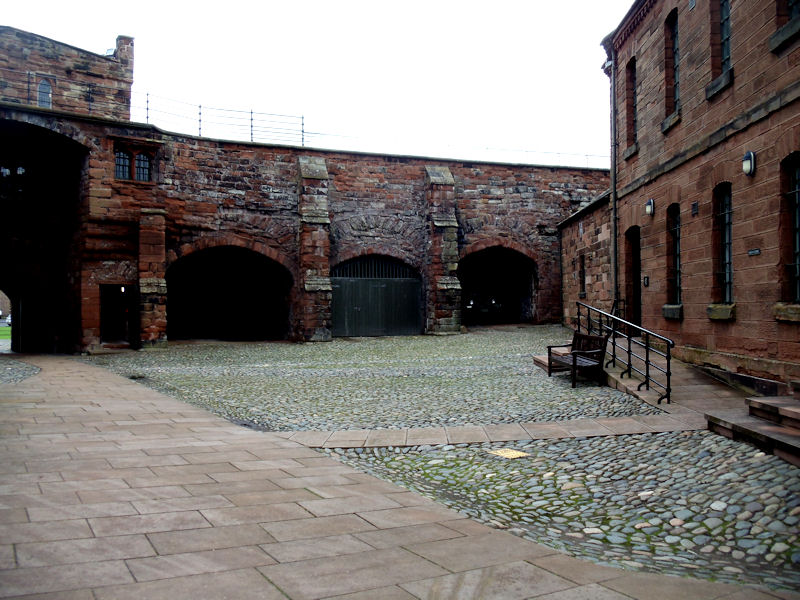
[142, 167]
[725, 34]
[790, 228]
[674, 254]
[45, 94]
[582, 275]
[723, 244]
[787, 13]
[671, 66]
[122, 165]
[630, 102]
[134, 164]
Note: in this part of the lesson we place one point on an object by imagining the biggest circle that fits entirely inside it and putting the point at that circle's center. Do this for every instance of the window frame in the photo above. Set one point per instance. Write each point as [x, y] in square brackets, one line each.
[631, 107]
[721, 55]
[674, 291]
[790, 228]
[671, 64]
[47, 93]
[723, 243]
[129, 164]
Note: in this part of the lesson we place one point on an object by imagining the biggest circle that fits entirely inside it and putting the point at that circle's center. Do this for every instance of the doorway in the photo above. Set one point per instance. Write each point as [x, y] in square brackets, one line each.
[633, 275]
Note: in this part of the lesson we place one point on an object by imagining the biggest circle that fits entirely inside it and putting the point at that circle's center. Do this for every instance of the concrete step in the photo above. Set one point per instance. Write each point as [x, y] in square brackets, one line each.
[738, 424]
[779, 409]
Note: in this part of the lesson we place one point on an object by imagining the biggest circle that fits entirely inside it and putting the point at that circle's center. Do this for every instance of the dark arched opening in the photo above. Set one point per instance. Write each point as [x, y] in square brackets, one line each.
[376, 295]
[633, 275]
[498, 286]
[40, 176]
[227, 293]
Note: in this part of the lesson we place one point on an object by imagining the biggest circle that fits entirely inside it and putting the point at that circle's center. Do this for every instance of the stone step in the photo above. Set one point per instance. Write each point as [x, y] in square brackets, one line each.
[777, 409]
[738, 424]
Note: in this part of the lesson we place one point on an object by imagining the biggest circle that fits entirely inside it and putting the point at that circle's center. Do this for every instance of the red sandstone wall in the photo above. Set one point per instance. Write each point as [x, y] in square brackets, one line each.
[81, 81]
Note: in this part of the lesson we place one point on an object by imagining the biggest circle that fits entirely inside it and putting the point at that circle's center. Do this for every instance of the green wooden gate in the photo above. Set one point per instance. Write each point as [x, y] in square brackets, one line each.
[376, 296]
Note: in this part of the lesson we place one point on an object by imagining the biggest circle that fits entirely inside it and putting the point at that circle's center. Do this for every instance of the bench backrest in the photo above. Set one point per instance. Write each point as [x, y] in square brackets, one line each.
[584, 341]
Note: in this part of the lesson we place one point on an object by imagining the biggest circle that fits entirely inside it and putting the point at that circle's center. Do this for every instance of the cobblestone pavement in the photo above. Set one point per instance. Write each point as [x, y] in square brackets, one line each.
[680, 502]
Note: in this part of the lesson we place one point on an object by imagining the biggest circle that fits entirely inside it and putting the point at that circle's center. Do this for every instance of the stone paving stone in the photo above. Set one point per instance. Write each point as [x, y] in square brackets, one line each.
[584, 427]
[385, 593]
[13, 515]
[315, 548]
[272, 497]
[41, 554]
[646, 586]
[38, 580]
[592, 591]
[254, 514]
[7, 557]
[316, 527]
[81, 511]
[322, 577]
[107, 526]
[212, 538]
[252, 484]
[579, 571]
[130, 494]
[44, 531]
[354, 489]
[466, 435]
[304, 482]
[196, 563]
[230, 476]
[398, 517]
[386, 437]
[326, 507]
[311, 438]
[403, 536]
[180, 504]
[474, 552]
[426, 435]
[505, 432]
[243, 584]
[510, 581]
[541, 431]
[623, 425]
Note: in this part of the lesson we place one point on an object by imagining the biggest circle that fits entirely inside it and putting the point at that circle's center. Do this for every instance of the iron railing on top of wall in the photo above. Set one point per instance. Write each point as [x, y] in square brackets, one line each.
[637, 349]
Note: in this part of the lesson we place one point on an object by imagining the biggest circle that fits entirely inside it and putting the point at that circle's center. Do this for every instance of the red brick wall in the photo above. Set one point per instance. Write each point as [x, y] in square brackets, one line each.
[81, 81]
[681, 160]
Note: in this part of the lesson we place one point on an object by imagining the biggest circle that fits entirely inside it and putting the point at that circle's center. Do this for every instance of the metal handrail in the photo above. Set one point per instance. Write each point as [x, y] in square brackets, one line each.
[634, 340]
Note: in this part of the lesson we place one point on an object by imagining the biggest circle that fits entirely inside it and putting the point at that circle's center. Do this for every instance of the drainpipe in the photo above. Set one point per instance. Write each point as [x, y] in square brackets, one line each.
[611, 70]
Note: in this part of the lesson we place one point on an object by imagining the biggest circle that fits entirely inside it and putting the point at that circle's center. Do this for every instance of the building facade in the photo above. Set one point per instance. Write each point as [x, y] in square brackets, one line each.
[121, 233]
[701, 226]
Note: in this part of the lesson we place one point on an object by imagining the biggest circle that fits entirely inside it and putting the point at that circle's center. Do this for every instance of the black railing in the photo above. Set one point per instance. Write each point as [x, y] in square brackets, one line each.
[634, 347]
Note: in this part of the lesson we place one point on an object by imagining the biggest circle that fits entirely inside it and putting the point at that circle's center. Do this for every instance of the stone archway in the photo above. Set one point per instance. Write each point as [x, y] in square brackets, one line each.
[40, 179]
[498, 285]
[227, 293]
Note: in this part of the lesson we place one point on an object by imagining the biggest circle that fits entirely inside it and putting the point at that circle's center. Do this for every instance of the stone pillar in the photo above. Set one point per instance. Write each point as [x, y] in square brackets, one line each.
[443, 290]
[314, 245]
[152, 281]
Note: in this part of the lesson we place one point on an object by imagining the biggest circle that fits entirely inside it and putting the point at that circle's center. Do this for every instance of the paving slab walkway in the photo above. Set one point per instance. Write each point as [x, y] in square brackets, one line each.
[110, 490]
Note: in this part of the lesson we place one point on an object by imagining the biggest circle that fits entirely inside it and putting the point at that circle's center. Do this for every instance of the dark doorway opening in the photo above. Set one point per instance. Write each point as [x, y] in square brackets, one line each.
[498, 286]
[375, 295]
[119, 315]
[633, 275]
[228, 293]
[40, 175]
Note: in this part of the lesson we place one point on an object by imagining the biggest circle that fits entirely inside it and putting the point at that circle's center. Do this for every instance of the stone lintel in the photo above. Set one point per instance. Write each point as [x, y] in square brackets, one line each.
[154, 211]
[318, 284]
[312, 167]
[444, 220]
[439, 175]
[448, 283]
[315, 218]
[153, 285]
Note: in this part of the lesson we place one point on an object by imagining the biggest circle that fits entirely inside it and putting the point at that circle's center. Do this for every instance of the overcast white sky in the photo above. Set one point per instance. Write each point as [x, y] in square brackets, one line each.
[517, 81]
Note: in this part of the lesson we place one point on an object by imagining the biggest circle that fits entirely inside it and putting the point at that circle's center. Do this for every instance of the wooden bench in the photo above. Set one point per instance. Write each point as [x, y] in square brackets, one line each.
[585, 354]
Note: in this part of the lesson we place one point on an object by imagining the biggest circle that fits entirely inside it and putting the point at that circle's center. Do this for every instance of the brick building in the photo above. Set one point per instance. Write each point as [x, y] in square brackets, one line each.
[703, 212]
[119, 232]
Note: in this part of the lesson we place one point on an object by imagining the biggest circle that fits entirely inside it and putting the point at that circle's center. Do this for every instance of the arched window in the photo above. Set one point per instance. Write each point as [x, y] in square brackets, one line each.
[45, 94]
[671, 64]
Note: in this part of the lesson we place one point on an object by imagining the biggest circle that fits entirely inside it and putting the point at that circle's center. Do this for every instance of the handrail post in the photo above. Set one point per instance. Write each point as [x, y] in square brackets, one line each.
[647, 360]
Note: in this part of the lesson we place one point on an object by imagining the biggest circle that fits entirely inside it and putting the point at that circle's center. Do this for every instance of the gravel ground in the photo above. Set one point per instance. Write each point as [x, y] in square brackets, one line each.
[484, 377]
[681, 503]
[14, 371]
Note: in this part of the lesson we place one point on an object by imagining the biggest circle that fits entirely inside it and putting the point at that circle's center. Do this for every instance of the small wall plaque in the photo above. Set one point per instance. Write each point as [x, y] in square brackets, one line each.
[754, 252]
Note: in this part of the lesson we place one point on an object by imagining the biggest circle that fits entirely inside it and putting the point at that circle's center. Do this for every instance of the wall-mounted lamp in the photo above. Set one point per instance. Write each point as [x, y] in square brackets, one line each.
[650, 207]
[749, 163]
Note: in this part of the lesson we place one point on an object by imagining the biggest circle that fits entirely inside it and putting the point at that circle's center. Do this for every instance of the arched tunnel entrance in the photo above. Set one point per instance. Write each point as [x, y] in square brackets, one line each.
[227, 293]
[498, 286]
[40, 175]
